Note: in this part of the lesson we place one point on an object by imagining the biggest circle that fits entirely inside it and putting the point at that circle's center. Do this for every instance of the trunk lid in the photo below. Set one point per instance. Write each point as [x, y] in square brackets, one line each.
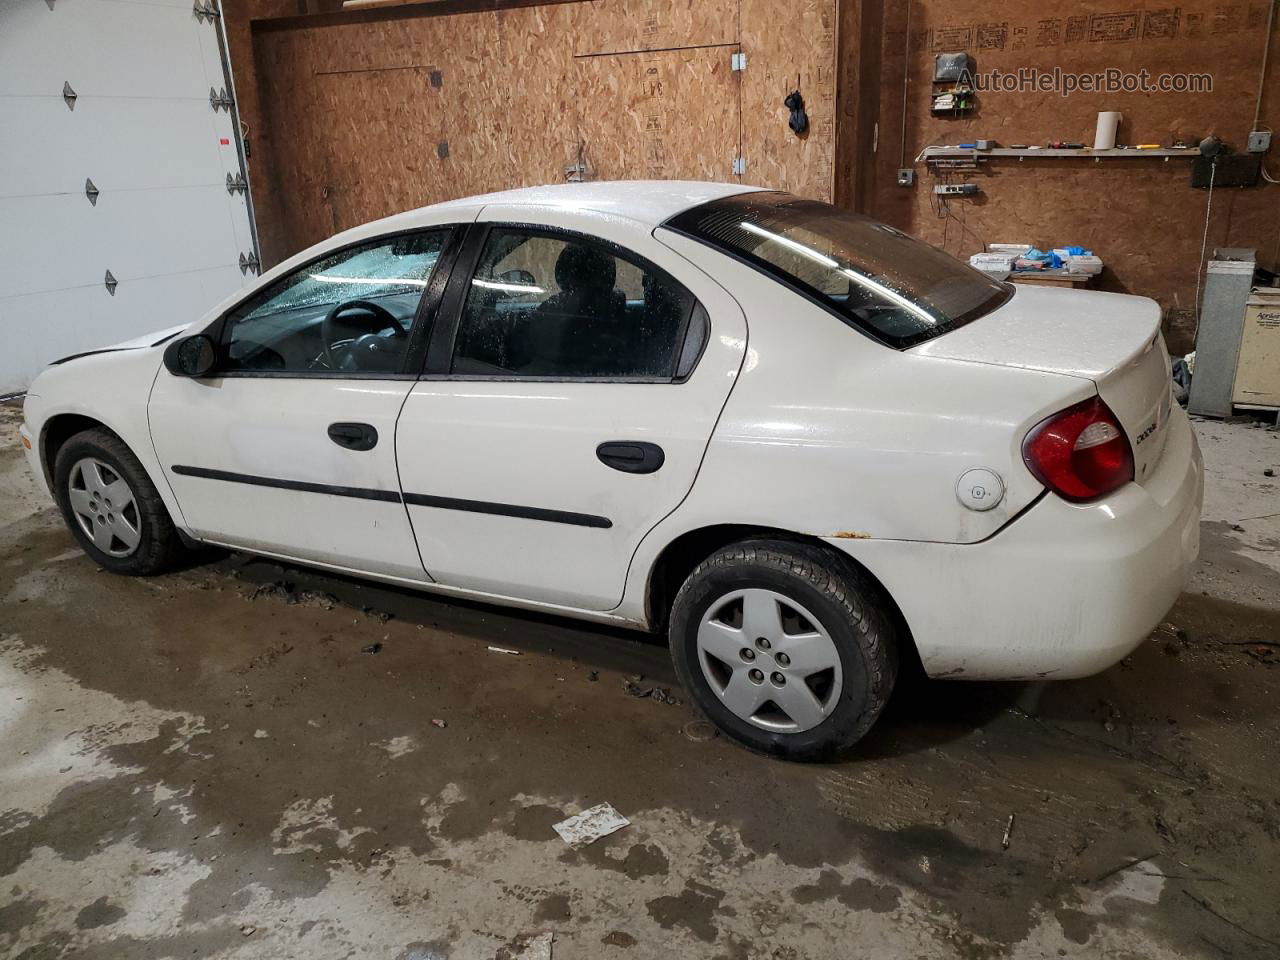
[1109, 338]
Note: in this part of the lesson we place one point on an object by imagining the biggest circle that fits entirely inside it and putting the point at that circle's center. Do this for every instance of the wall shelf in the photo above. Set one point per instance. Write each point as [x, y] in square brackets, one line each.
[929, 154]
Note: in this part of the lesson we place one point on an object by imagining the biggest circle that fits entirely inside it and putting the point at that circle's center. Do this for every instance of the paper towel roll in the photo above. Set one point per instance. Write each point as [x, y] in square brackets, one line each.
[1105, 136]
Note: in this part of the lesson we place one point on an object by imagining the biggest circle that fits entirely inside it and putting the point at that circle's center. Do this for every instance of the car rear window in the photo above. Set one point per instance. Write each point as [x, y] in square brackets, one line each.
[899, 290]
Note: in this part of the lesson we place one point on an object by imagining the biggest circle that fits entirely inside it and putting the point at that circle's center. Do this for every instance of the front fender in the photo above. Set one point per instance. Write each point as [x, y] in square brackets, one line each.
[111, 389]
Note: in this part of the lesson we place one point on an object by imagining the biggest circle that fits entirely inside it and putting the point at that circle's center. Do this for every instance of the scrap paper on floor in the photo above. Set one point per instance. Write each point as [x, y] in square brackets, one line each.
[590, 825]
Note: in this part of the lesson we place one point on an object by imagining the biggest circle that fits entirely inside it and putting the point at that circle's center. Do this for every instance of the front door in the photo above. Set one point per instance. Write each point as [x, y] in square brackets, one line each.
[289, 447]
[572, 388]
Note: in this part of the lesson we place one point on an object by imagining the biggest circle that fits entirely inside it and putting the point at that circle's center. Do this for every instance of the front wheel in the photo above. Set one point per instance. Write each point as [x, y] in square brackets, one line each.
[785, 647]
[112, 507]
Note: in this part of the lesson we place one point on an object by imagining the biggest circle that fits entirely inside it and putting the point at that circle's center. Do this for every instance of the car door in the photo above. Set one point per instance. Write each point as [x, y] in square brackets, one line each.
[287, 448]
[573, 382]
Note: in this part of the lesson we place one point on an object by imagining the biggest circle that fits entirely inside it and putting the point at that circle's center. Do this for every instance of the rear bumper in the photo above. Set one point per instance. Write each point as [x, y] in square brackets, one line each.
[1066, 590]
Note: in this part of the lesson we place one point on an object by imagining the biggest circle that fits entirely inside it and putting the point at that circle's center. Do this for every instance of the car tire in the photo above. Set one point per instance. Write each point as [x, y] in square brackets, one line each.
[89, 468]
[830, 615]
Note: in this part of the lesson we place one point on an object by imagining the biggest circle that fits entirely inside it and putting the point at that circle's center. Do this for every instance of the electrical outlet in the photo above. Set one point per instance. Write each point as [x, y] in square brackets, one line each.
[1260, 141]
[955, 189]
[906, 177]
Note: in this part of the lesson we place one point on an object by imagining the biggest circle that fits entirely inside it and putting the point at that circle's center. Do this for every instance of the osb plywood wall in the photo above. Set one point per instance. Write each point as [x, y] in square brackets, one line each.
[1140, 215]
[353, 120]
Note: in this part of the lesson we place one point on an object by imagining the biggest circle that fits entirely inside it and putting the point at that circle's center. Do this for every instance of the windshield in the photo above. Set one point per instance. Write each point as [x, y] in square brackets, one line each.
[378, 269]
[900, 290]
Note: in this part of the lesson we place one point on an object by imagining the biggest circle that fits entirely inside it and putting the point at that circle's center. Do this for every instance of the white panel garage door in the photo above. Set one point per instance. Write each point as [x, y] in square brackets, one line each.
[143, 130]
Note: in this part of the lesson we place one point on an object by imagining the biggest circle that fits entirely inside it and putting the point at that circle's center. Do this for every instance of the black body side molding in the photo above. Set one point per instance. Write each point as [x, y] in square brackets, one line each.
[392, 496]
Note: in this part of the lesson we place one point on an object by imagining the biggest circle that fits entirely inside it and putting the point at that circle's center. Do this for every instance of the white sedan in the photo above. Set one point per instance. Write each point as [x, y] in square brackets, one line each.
[798, 441]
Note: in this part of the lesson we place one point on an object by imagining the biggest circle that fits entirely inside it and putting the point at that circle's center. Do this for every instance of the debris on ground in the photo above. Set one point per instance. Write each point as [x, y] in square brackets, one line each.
[507, 650]
[248, 930]
[266, 658]
[590, 825]
[315, 598]
[1269, 472]
[1121, 868]
[375, 647]
[1008, 833]
[536, 948]
[635, 687]
[1262, 653]
[280, 589]
[593, 676]
[288, 591]
[699, 731]
[436, 721]
[1112, 715]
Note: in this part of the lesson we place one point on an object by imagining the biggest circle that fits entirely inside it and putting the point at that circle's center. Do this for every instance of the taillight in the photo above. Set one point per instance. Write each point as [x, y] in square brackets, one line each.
[1080, 453]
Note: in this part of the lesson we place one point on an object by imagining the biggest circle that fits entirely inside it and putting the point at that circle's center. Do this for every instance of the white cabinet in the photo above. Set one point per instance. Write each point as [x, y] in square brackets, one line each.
[1258, 369]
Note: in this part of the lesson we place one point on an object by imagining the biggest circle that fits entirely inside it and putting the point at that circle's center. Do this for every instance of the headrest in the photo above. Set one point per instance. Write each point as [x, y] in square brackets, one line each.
[580, 267]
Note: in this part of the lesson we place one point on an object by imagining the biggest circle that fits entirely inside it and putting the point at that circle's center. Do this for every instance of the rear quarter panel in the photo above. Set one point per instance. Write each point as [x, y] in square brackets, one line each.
[831, 434]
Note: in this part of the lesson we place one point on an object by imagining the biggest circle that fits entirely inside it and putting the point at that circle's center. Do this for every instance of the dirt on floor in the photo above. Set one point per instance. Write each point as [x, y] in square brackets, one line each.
[243, 760]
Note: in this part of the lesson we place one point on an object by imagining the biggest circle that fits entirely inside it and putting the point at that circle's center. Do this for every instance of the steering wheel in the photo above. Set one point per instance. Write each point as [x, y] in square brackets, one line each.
[370, 345]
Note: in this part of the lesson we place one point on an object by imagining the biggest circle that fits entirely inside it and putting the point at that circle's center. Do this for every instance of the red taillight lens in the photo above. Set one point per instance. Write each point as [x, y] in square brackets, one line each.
[1081, 452]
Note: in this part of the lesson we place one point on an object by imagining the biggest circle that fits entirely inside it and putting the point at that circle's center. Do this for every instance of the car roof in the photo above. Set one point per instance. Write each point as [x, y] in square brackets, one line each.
[646, 203]
[649, 202]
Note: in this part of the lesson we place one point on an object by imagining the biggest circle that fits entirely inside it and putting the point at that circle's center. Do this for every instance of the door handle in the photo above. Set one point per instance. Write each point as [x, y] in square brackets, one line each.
[631, 456]
[354, 436]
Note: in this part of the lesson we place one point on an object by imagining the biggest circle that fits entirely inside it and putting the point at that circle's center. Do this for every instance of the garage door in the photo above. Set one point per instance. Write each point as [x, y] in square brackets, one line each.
[117, 216]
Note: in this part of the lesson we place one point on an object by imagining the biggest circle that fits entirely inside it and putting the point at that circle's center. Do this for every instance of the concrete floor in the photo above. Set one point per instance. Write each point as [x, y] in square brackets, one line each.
[207, 764]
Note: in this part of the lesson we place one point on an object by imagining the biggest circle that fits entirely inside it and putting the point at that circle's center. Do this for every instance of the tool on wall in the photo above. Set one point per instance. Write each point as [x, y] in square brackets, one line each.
[799, 120]
[1219, 166]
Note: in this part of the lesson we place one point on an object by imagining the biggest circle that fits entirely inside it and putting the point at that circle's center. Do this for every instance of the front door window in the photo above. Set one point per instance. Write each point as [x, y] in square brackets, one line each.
[350, 312]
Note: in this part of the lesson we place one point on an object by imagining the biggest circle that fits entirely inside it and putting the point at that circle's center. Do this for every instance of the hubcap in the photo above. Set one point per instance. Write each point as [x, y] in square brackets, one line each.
[103, 505]
[769, 660]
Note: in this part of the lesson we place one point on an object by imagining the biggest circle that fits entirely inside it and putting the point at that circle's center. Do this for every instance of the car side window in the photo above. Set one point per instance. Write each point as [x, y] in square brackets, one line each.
[561, 306]
[350, 312]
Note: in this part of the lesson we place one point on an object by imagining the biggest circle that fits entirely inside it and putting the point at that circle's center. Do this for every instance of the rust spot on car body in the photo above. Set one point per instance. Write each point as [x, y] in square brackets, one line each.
[851, 535]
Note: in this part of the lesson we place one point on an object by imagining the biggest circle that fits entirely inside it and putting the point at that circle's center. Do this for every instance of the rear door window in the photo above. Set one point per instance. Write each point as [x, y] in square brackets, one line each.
[551, 305]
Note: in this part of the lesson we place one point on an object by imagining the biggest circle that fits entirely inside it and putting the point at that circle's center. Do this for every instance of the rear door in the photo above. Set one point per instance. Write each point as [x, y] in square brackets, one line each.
[573, 383]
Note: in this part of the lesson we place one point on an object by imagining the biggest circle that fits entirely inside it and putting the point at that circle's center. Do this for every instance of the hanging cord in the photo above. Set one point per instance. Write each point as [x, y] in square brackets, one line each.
[1262, 74]
[906, 80]
[1204, 245]
[1262, 81]
[1262, 163]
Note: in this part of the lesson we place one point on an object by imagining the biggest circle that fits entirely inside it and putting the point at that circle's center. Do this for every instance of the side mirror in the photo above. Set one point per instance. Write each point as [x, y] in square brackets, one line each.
[521, 278]
[193, 356]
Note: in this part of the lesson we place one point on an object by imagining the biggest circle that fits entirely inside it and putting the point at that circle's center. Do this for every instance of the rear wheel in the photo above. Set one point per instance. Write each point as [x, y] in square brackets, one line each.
[785, 647]
[112, 507]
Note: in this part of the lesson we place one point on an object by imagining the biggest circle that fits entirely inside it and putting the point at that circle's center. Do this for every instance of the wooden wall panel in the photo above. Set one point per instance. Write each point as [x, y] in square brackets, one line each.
[537, 124]
[789, 47]
[350, 127]
[610, 26]
[357, 130]
[1140, 215]
[661, 116]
